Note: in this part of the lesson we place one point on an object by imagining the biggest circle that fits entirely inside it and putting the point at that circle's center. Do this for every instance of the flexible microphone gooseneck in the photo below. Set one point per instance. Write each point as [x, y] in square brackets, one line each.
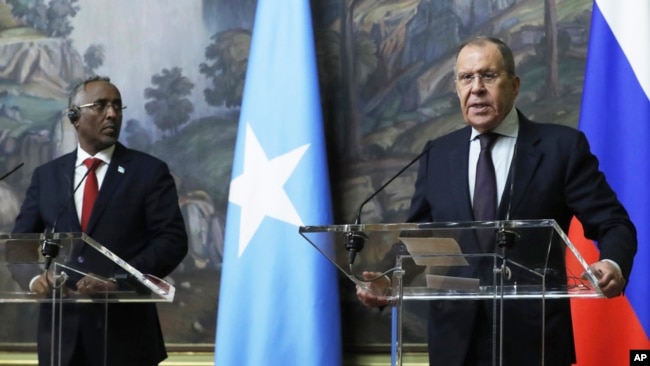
[506, 236]
[11, 171]
[356, 240]
[50, 246]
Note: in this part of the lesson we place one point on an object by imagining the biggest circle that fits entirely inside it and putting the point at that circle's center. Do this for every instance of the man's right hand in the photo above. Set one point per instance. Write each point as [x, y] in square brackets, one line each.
[376, 297]
[42, 284]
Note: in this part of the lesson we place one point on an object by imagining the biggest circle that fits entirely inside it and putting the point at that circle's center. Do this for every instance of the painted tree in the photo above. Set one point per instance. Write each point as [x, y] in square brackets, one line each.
[550, 27]
[228, 56]
[93, 58]
[136, 136]
[51, 17]
[169, 106]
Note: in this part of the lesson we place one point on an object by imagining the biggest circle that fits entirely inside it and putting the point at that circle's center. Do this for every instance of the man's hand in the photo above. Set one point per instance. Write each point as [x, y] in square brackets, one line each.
[91, 285]
[48, 281]
[42, 284]
[610, 278]
[378, 288]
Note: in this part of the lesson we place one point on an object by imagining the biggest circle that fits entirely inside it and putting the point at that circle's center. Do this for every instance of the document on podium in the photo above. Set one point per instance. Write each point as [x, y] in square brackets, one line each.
[440, 252]
[452, 283]
[435, 252]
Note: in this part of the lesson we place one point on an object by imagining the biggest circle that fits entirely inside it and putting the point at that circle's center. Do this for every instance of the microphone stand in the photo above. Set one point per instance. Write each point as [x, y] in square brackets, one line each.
[505, 240]
[50, 246]
[355, 240]
[11, 171]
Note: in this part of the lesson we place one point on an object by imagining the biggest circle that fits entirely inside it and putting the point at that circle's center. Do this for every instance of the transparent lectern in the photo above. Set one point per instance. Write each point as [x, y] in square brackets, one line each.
[533, 261]
[21, 260]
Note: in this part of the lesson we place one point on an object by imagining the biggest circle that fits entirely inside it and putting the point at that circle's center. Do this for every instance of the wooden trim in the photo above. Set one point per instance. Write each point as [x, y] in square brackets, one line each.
[207, 359]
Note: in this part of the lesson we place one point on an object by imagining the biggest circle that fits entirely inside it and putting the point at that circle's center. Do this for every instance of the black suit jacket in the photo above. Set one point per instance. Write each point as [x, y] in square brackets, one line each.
[137, 217]
[555, 177]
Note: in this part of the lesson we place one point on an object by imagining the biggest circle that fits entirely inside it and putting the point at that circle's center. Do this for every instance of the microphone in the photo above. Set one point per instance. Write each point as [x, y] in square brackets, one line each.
[355, 241]
[506, 237]
[11, 171]
[50, 246]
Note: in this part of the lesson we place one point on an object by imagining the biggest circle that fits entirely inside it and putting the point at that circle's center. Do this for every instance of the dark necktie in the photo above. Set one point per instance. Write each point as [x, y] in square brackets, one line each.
[485, 188]
[90, 191]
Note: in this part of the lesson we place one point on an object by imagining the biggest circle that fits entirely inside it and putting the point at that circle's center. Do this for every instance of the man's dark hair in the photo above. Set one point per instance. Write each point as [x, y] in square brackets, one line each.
[77, 89]
[506, 52]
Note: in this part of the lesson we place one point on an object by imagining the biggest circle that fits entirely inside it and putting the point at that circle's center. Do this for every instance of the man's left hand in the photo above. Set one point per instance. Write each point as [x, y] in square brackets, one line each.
[91, 285]
[610, 279]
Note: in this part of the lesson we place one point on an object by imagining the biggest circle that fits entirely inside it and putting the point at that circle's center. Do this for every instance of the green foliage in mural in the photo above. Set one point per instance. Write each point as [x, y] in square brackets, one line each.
[169, 107]
[228, 56]
[51, 17]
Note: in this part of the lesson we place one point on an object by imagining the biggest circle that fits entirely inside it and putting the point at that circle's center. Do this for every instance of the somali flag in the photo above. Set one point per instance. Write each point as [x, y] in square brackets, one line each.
[615, 116]
[278, 301]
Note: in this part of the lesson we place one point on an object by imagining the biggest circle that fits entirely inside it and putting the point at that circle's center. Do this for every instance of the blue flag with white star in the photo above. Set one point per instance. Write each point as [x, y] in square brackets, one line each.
[278, 301]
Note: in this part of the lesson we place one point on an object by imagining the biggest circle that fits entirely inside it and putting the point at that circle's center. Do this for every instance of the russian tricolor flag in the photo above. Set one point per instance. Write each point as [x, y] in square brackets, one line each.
[615, 116]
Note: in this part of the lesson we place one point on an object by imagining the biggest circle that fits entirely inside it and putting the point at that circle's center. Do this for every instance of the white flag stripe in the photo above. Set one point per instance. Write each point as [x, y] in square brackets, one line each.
[628, 20]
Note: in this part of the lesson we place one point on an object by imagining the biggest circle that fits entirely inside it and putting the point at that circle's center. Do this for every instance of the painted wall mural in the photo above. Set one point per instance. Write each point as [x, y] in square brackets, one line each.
[386, 73]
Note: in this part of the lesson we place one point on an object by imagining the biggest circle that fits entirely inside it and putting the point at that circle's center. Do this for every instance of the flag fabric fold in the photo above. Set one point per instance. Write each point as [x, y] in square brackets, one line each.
[278, 298]
[615, 116]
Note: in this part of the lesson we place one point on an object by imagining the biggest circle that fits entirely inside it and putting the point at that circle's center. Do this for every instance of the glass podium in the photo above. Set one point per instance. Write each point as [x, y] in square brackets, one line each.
[528, 262]
[23, 257]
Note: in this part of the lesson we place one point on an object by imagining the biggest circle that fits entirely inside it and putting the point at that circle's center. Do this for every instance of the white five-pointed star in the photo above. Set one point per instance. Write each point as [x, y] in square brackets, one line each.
[259, 189]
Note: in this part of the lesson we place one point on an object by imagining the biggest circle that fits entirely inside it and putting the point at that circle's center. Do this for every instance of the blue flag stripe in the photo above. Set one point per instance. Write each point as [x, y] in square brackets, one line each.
[278, 301]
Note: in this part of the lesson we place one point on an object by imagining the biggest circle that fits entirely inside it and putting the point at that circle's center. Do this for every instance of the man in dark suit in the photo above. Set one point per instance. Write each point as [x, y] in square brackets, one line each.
[135, 215]
[552, 175]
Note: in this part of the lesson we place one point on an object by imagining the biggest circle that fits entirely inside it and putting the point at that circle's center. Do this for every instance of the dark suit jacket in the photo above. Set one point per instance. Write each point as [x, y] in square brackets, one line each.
[137, 217]
[555, 177]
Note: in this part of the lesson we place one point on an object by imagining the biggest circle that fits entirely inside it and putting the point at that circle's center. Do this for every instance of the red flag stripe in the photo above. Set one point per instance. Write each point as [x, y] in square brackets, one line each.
[602, 324]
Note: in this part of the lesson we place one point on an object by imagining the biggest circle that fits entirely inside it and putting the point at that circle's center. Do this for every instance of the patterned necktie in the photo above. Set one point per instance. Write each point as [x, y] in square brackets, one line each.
[90, 191]
[485, 189]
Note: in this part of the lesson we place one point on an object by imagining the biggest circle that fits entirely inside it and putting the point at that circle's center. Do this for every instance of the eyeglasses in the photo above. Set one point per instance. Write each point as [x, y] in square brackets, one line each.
[467, 79]
[102, 105]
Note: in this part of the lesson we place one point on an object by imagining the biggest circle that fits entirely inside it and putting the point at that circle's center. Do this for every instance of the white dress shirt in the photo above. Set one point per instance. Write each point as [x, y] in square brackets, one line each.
[503, 151]
[81, 169]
